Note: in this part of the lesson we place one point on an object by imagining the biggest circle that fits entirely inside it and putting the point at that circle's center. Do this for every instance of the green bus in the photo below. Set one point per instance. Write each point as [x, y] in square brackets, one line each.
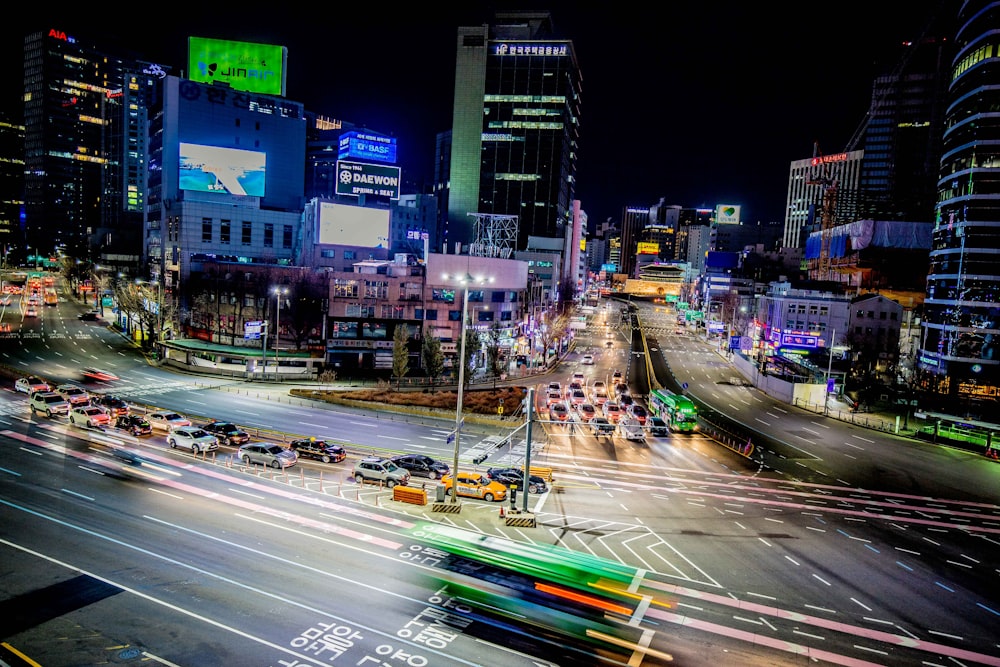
[680, 413]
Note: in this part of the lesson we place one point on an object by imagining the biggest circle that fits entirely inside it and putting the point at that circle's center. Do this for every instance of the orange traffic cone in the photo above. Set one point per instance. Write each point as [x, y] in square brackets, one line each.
[502, 513]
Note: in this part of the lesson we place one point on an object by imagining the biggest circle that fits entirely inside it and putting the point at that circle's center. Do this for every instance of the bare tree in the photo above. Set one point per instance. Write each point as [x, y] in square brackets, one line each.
[400, 352]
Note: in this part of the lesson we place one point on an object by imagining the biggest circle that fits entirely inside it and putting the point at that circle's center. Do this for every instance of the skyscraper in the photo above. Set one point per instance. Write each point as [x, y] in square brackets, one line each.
[515, 126]
[958, 358]
[85, 147]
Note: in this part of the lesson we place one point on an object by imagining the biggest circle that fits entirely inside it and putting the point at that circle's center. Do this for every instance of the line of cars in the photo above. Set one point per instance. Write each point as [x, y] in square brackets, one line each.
[604, 411]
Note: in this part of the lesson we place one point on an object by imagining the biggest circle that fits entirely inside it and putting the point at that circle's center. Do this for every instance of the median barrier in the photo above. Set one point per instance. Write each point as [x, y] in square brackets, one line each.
[409, 494]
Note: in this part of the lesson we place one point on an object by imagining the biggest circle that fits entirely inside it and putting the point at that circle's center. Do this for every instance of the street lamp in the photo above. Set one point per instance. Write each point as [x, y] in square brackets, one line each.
[278, 292]
[465, 281]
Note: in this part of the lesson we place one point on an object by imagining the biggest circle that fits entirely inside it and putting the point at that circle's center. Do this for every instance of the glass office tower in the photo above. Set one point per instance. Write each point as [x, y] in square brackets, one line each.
[515, 127]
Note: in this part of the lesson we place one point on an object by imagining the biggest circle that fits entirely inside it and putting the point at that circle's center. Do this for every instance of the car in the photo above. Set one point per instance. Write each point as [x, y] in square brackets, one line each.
[588, 360]
[638, 413]
[657, 426]
[625, 400]
[515, 477]
[599, 387]
[381, 470]
[30, 384]
[73, 394]
[49, 403]
[321, 450]
[89, 316]
[227, 433]
[612, 411]
[114, 406]
[609, 344]
[554, 386]
[631, 429]
[31, 312]
[558, 412]
[166, 420]
[475, 485]
[578, 376]
[553, 397]
[601, 426]
[573, 386]
[98, 374]
[196, 439]
[134, 424]
[268, 454]
[578, 397]
[421, 465]
[617, 378]
[586, 411]
[89, 415]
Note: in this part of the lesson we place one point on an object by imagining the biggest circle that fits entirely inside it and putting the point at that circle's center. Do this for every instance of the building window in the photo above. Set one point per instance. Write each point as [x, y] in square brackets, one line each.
[391, 311]
[247, 232]
[206, 230]
[345, 288]
[418, 313]
[430, 314]
[505, 316]
[328, 254]
[376, 289]
[224, 232]
[269, 235]
[350, 254]
[454, 316]
[359, 310]
[498, 296]
[286, 237]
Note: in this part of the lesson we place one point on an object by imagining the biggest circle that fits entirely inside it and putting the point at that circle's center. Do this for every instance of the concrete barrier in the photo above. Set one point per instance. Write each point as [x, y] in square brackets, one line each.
[409, 494]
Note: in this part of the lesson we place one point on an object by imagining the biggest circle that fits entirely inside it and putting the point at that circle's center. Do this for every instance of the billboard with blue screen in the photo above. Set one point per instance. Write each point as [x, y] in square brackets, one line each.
[227, 170]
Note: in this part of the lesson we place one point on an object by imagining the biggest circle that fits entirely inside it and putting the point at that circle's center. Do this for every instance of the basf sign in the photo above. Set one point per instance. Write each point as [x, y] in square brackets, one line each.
[727, 214]
[253, 68]
[355, 179]
[367, 146]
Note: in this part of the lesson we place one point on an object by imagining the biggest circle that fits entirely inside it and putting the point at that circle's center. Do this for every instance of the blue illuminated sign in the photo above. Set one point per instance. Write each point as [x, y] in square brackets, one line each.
[367, 146]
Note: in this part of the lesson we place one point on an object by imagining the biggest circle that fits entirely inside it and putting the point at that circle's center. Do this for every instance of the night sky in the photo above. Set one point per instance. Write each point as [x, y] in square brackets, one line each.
[696, 103]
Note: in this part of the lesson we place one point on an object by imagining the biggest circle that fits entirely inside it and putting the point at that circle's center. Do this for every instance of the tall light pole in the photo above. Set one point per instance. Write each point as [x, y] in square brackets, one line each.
[279, 292]
[465, 281]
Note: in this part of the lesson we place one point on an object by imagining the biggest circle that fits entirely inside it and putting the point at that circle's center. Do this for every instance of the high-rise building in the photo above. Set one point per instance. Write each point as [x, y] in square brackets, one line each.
[822, 190]
[11, 187]
[85, 147]
[515, 127]
[901, 134]
[959, 359]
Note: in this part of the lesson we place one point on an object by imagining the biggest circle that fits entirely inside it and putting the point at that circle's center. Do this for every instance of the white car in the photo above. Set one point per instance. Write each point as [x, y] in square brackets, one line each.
[196, 439]
[30, 384]
[74, 395]
[89, 415]
[588, 360]
[167, 420]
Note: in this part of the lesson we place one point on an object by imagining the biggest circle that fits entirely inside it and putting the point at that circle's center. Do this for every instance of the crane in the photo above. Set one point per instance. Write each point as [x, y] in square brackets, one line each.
[819, 176]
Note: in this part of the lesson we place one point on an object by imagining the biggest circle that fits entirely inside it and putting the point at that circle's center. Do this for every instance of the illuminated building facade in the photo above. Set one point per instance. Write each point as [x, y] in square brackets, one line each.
[515, 127]
[958, 357]
[85, 148]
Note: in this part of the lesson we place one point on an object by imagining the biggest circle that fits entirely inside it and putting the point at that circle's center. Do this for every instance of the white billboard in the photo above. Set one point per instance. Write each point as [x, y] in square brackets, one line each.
[727, 214]
[353, 225]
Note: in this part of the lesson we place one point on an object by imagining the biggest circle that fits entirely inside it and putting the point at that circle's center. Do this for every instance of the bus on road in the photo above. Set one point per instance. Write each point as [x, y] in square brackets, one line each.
[680, 413]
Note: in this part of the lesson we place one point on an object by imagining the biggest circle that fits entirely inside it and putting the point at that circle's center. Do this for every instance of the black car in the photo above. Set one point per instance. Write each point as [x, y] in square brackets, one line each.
[90, 316]
[421, 465]
[134, 424]
[113, 405]
[515, 477]
[227, 433]
[657, 426]
[321, 450]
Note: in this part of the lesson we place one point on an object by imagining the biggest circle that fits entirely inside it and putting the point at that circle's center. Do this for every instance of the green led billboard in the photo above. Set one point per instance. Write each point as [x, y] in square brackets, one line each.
[254, 68]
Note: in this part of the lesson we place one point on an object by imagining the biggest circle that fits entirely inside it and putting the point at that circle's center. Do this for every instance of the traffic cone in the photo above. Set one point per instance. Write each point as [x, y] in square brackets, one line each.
[502, 513]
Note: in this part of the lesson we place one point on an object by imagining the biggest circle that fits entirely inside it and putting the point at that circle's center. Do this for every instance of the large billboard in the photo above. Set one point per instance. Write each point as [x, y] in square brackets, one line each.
[357, 178]
[727, 214]
[647, 248]
[216, 169]
[341, 224]
[367, 146]
[254, 68]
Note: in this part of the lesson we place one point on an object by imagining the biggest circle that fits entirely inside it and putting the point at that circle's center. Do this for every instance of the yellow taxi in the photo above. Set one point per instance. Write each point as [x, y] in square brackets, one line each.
[475, 485]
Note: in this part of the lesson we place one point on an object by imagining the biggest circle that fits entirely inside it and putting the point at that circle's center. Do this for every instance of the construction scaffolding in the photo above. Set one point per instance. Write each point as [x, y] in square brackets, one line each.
[495, 235]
